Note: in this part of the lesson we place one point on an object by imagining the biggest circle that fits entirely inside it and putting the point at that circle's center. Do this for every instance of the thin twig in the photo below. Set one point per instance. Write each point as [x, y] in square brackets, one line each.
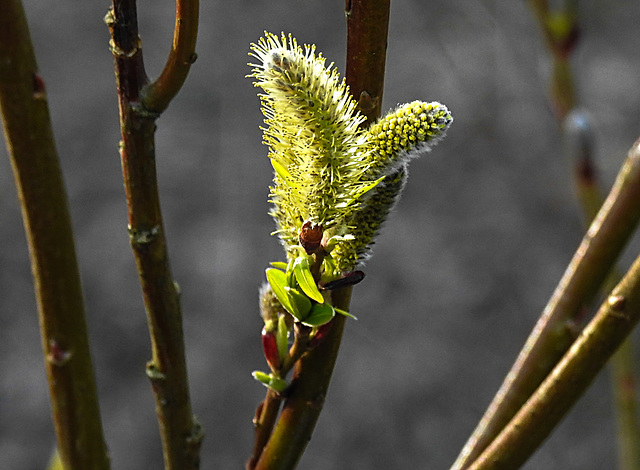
[180, 433]
[305, 397]
[623, 363]
[31, 146]
[157, 95]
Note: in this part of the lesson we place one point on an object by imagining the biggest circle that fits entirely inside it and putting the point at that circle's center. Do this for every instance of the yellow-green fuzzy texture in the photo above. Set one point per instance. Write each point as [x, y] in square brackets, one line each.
[315, 144]
[327, 170]
[367, 221]
[405, 133]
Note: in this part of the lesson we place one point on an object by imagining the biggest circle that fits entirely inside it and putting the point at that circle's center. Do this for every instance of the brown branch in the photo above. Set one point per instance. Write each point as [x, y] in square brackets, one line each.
[31, 146]
[157, 95]
[536, 419]
[555, 331]
[180, 433]
[367, 31]
[305, 397]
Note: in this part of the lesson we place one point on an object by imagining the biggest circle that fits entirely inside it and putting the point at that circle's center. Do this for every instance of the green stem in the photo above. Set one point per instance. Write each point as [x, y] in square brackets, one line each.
[305, 396]
[31, 146]
[623, 363]
[599, 340]
[180, 433]
[556, 329]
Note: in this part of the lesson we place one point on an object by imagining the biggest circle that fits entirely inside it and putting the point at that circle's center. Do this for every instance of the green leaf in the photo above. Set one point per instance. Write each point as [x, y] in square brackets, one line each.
[290, 276]
[278, 282]
[345, 313]
[300, 302]
[319, 315]
[305, 279]
[279, 265]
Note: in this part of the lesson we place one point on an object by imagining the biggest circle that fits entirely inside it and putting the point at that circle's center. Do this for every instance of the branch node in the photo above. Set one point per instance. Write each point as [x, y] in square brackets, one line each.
[57, 355]
[154, 373]
[143, 237]
[143, 112]
[119, 52]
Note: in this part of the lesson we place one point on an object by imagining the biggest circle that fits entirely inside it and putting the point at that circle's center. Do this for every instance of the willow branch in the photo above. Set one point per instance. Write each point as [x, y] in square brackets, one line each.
[367, 31]
[63, 328]
[555, 331]
[623, 363]
[157, 95]
[180, 433]
[536, 419]
[305, 396]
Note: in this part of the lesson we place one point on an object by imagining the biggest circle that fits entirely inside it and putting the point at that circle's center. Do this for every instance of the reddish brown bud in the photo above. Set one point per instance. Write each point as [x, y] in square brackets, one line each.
[321, 333]
[270, 347]
[57, 355]
[39, 91]
[311, 237]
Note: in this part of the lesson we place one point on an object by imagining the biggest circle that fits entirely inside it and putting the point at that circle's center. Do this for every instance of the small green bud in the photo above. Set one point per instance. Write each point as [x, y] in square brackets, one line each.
[270, 381]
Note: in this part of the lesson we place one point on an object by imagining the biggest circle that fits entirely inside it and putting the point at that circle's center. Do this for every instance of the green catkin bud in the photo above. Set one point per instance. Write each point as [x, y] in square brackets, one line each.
[407, 132]
[368, 220]
[328, 172]
[313, 136]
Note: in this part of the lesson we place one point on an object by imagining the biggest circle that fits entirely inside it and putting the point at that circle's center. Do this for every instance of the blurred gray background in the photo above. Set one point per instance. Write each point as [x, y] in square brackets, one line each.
[459, 275]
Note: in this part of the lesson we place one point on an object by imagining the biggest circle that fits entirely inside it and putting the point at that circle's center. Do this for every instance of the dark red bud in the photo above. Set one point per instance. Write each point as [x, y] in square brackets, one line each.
[270, 347]
[311, 237]
[38, 86]
[321, 333]
[57, 355]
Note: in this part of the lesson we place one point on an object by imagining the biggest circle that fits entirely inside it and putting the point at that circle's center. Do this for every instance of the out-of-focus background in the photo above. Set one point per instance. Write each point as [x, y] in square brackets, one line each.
[459, 275]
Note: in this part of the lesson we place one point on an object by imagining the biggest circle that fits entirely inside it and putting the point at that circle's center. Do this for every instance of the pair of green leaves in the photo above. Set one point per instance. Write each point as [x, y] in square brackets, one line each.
[296, 289]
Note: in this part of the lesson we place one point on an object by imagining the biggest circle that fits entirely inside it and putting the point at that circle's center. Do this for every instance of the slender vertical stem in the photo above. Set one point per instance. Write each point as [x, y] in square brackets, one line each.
[180, 433]
[306, 396]
[367, 32]
[31, 146]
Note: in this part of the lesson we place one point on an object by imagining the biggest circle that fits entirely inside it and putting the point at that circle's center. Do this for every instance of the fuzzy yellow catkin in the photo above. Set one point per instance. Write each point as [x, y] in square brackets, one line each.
[327, 170]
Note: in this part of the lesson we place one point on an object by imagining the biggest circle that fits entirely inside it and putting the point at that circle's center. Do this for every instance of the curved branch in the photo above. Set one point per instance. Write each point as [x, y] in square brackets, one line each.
[159, 93]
